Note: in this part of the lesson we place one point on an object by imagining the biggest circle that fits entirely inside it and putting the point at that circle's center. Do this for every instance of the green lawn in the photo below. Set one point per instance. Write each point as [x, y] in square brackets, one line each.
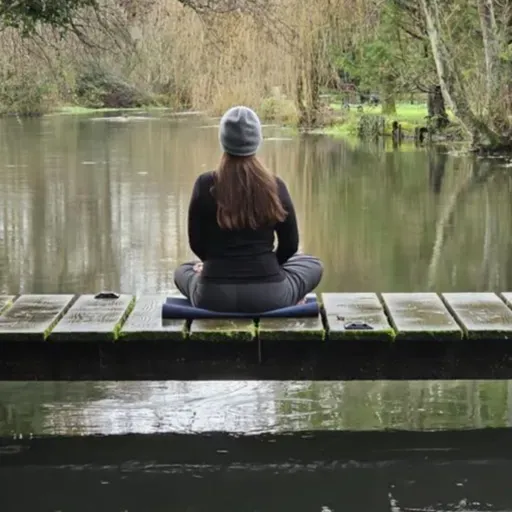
[408, 115]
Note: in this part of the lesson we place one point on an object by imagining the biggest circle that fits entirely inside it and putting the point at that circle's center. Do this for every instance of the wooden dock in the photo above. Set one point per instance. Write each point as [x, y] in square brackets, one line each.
[356, 336]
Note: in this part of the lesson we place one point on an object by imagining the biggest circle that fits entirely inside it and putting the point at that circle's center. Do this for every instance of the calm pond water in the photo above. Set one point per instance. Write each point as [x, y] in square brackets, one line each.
[256, 446]
[249, 407]
[90, 203]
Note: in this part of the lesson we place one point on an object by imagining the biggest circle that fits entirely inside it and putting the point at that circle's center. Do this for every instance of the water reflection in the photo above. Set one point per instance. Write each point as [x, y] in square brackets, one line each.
[82, 408]
[87, 204]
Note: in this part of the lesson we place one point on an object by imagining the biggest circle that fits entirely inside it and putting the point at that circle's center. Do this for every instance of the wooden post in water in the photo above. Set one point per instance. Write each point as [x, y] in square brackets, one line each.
[396, 133]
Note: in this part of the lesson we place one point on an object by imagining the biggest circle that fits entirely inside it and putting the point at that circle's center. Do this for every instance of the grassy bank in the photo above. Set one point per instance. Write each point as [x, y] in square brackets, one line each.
[346, 120]
[340, 122]
[272, 109]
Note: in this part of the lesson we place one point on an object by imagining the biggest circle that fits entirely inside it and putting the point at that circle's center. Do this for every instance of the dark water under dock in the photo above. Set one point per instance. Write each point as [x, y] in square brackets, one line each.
[385, 472]
[260, 446]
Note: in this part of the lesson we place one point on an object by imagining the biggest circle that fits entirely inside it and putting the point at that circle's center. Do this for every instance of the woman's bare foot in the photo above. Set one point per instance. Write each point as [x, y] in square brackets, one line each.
[303, 301]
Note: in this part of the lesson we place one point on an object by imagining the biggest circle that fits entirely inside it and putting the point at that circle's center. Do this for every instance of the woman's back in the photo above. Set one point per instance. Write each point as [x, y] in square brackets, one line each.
[244, 253]
[234, 213]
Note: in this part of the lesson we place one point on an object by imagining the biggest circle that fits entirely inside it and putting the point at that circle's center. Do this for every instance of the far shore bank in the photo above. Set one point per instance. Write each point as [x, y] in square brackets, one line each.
[339, 121]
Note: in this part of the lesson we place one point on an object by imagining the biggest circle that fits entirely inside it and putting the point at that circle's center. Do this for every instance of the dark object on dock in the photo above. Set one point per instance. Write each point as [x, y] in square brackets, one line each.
[358, 326]
[356, 336]
[107, 295]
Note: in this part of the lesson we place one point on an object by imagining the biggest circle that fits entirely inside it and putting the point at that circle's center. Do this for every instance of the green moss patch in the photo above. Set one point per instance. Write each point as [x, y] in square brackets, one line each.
[171, 330]
[57, 318]
[298, 336]
[117, 329]
[291, 329]
[222, 336]
[223, 330]
[429, 335]
[363, 335]
[5, 302]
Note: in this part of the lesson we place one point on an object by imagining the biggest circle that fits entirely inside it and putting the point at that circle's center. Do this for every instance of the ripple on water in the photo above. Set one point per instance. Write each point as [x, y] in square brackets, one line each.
[54, 408]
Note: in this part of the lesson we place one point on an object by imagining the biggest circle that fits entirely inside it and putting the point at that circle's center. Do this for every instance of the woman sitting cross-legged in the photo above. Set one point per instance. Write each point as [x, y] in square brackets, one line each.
[233, 215]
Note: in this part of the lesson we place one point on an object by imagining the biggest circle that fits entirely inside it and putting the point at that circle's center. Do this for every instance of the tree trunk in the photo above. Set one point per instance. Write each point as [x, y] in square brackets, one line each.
[445, 79]
[388, 96]
[314, 86]
[308, 86]
[300, 98]
[388, 104]
[437, 109]
[450, 81]
[491, 49]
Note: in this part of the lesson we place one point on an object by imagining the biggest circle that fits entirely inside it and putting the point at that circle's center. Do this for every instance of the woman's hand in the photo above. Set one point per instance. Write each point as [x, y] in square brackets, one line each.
[198, 267]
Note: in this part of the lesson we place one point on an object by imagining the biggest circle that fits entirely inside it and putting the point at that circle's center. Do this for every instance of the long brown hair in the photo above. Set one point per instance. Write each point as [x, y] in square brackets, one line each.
[246, 194]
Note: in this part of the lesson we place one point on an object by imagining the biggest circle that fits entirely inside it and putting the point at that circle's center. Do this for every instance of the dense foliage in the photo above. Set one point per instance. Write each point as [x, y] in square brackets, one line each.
[271, 53]
[25, 15]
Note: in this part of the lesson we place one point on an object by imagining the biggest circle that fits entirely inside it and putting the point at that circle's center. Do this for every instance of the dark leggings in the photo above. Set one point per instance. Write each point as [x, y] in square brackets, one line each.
[302, 274]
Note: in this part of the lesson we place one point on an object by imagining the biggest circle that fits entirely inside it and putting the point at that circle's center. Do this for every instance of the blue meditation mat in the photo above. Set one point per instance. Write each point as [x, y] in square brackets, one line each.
[180, 308]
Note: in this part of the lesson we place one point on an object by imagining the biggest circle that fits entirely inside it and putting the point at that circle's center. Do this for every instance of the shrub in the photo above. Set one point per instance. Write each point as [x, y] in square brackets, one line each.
[98, 88]
[279, 109]
[25, 93]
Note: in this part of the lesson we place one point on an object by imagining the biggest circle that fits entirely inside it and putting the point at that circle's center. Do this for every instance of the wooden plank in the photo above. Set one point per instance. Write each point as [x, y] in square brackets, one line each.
[236, 329]
[482, 315]
[507, 297]
[292, 329]
[93, 320]
[356, 310]
[145, 321]
[420, 316]
[5, 302]
[32, 317]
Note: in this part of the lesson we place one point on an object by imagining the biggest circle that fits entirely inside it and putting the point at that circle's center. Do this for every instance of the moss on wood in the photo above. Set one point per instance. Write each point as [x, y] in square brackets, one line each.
[219, 330]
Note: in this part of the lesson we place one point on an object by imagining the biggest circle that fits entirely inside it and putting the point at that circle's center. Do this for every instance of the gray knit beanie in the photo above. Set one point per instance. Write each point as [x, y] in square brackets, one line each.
[240, 131]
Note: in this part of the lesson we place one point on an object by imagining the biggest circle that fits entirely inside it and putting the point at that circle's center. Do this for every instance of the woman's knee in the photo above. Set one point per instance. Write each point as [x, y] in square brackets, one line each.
[312, 263]
[317, 269]
[182, 276]
[181, 271]
[305, 270]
